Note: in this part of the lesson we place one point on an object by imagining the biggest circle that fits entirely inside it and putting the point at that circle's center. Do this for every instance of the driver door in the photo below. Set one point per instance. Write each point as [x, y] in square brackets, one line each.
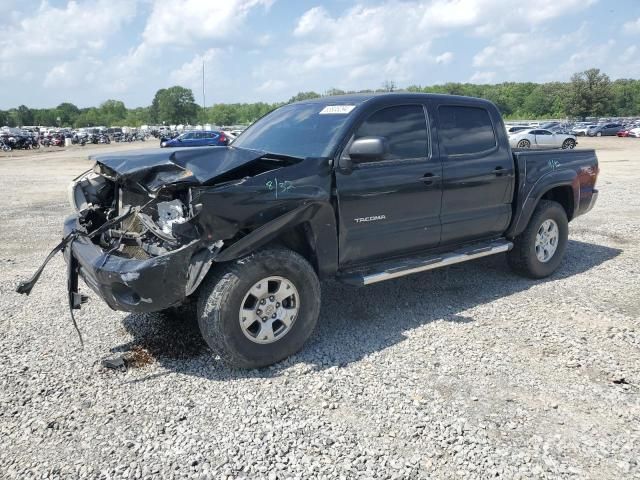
[544, 138]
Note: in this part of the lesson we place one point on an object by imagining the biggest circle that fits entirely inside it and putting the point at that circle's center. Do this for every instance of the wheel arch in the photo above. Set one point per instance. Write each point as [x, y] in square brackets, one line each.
[562, 186]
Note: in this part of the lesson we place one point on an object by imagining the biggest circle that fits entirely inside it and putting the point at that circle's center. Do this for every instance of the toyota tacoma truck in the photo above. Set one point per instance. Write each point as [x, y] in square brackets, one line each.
[361, 188]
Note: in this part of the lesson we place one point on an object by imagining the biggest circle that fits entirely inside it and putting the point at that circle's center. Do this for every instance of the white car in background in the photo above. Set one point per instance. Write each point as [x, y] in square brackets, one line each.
[541, 138]
[581, 130]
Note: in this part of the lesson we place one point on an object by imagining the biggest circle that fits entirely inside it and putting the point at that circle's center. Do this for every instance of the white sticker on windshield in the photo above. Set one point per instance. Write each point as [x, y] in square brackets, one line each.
[337, 109]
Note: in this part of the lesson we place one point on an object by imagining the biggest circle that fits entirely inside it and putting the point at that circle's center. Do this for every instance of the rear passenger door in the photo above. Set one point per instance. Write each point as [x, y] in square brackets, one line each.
[478, 173]
[391, 206]
[200, 139]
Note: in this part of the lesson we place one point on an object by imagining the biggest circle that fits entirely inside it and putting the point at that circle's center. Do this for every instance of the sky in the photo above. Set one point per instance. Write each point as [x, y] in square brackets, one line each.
[85, 52]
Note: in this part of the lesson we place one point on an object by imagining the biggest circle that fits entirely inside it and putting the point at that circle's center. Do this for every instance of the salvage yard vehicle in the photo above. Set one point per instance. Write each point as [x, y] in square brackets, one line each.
[196, 138]
[362, 188]
[607, 129]
[540, 138]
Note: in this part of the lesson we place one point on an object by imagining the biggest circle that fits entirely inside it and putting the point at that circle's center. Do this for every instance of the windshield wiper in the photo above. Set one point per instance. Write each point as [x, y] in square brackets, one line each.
[281, 156]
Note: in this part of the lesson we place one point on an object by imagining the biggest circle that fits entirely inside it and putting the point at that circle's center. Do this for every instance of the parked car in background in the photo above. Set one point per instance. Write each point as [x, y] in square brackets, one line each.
[541, 138]
[635, 132]
[606, 129]
[581, 130]
[625, 132]
[197, 138]
[516, 128]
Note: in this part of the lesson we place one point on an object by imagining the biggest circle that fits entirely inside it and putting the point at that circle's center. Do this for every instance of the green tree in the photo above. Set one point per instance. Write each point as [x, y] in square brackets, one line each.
[174, 105]
[23, 116]
[137, 117]
[303, 96]
[626, 97]
[67, 112]
[590, 94]
[5, 118]
[47, 116]
[112, 112]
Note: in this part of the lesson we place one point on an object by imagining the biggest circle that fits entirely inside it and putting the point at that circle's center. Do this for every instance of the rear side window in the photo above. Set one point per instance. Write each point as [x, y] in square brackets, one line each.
[404, 127]
[465, 130]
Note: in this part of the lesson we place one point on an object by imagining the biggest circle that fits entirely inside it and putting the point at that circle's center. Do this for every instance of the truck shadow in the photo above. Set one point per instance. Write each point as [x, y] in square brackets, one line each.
[354, 322]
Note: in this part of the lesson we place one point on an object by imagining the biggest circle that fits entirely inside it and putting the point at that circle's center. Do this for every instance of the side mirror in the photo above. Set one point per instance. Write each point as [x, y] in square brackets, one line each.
[179, 139]
[367, 149]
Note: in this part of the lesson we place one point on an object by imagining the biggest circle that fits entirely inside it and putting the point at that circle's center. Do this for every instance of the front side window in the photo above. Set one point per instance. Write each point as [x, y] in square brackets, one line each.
[404, 127]
[465, 130]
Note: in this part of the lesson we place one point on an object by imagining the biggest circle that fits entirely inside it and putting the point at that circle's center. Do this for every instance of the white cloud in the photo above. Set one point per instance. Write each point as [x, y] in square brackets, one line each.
[444, 58]
[483, 77]
[187, 21]
[77, 26]
[632, 27]
[629, 54]
[394, 39]
[271, 86]
[511, 51]
[190, 73]
[73, 74]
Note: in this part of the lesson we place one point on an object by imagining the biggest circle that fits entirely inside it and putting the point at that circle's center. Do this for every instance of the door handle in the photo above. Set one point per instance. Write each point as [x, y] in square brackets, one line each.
[498, 171]
[429, 178]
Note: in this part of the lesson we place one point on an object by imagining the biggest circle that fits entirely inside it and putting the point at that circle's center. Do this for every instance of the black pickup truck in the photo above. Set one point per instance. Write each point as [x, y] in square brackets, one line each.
[360, 188]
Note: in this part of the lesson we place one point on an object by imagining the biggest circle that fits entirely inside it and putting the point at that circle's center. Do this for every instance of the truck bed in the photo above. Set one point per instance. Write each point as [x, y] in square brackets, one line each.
[539, 170]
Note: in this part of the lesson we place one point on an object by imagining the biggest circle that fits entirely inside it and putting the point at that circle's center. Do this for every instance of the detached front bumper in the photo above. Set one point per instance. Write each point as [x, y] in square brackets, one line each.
[138, 285]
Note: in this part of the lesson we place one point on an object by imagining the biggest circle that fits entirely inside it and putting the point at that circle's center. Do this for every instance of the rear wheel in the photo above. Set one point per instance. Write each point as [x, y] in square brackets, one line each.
[569, 143]
[260, 309]
[538, 251]
[524, 144]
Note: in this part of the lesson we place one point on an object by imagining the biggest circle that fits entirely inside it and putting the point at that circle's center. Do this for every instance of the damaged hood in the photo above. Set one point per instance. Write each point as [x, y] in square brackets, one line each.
[153, 169]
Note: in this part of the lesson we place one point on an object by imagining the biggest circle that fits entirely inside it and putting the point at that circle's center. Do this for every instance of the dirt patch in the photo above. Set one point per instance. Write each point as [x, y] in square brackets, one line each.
[138, 357]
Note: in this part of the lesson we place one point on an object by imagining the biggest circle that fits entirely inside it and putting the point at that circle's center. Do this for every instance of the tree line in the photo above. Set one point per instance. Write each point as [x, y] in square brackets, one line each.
[589, 94]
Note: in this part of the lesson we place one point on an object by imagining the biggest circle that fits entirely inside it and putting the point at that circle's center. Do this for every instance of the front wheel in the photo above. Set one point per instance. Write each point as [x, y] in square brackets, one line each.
[538, 251]
[258, 310]
[569, 143]
[524, 144]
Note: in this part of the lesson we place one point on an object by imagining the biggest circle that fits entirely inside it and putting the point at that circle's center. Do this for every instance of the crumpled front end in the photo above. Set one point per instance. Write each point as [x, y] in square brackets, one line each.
[138, 251]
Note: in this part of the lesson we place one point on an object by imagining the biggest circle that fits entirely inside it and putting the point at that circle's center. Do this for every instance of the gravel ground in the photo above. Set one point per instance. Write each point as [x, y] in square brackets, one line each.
[464, 372]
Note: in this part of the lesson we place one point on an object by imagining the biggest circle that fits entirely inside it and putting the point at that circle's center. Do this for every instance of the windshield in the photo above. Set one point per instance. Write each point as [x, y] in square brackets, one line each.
[299, 130]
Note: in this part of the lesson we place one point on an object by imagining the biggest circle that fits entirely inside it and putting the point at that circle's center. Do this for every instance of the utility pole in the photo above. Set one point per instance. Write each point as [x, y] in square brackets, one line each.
[204, 101]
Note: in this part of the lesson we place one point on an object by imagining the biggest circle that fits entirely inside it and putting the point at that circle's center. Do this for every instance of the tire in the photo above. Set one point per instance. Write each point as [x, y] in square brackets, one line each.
[524, 144]
[227, 295]
[523, 258]
[569, 143]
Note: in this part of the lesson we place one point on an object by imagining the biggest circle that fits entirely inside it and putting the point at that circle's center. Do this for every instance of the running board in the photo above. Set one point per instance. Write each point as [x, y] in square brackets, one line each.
[400, 268]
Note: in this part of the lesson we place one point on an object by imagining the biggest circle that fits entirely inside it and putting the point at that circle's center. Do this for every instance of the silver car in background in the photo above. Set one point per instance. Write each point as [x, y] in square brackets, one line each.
[541, 138]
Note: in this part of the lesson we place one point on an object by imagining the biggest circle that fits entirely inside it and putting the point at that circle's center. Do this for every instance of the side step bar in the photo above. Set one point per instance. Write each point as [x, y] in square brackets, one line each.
[400, 268]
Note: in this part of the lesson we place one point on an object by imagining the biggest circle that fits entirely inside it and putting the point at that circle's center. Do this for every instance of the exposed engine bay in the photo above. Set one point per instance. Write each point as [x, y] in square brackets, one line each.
[155, 225]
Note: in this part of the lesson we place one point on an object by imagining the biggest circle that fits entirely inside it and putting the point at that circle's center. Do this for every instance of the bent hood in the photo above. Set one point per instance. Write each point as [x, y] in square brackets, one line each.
[153, 169]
